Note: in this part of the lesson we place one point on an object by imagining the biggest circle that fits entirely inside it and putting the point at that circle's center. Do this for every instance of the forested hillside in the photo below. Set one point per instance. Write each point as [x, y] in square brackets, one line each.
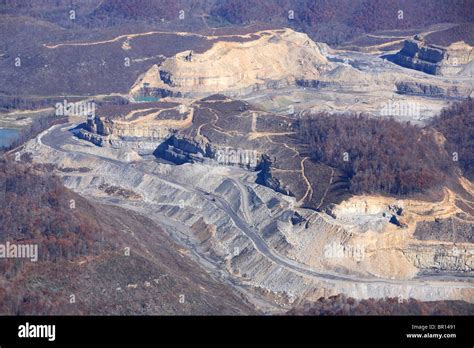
[342, 305]
[36, 208]
[328, 21]
[377, 155]
[457, 126]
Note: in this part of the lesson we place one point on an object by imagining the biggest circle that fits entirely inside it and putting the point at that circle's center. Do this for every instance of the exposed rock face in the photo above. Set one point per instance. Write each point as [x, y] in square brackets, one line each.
[107, 127]
[92, 137]
[142, 128]
[142, 138]
[441, 257]
[276, 58]
[179, 150]
[445, 251]
[432, 59]
[422, 88]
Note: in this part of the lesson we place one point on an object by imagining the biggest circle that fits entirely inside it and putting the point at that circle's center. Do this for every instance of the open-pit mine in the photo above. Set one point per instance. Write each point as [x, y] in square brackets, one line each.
[205, 136]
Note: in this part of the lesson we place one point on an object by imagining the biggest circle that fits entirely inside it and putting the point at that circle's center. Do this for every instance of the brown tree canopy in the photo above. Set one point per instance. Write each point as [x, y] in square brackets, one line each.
[457, 126]
[36, 208]
[342, 305]
[377, 155]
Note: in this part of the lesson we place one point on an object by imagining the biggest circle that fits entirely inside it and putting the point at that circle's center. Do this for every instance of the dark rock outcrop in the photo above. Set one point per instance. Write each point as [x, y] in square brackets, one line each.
[433, 59]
